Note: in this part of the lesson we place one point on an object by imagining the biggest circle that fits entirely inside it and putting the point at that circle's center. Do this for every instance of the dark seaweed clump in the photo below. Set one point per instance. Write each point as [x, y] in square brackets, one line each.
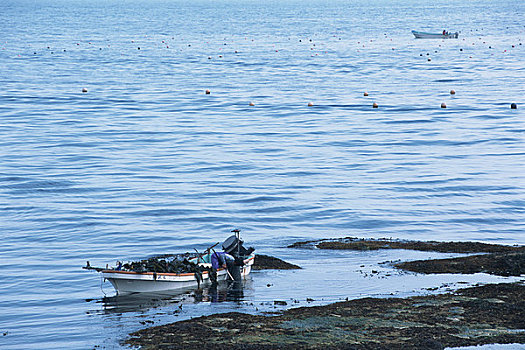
[265, 262]
[176, 263]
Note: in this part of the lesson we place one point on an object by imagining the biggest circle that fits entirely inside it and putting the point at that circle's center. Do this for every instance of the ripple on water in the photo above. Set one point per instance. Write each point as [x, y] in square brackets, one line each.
[145, 162]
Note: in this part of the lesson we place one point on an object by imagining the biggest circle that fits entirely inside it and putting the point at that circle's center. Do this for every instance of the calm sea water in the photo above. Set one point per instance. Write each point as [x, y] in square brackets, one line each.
[145, 162]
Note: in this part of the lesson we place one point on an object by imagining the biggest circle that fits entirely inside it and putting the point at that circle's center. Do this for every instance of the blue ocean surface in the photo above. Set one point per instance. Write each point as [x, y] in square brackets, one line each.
[145, 162]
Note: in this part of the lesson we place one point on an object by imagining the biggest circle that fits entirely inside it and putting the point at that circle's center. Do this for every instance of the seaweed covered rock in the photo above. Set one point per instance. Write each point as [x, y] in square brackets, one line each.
[266, 262]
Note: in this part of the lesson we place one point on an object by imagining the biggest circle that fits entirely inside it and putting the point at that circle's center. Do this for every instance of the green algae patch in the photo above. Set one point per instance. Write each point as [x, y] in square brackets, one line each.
[472, 316]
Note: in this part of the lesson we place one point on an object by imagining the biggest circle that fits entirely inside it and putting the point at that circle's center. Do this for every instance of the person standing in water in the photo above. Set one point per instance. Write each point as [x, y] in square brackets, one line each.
[218, 260]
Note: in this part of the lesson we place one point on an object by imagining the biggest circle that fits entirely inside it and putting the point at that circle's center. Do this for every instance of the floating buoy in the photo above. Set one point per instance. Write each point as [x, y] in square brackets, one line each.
[310, 104]
[208, 91]
[209, 57]
[452, 92]
[84, 90]
[375, 105]
[513, 106]
[365, 94]
[443, 105]
[252, 104]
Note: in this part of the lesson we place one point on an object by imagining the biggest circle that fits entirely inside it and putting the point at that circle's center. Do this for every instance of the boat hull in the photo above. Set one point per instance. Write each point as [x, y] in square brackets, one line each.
[423, 35]
[126, 282]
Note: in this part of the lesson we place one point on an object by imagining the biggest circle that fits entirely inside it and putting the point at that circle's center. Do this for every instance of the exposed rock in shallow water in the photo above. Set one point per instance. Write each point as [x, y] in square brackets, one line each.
[504, 260]
[471, 316]
[353, 243]
[501, 264]
[265, 262]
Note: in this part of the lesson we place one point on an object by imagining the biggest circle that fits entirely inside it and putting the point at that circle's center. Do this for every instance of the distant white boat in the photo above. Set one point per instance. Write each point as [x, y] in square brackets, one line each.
[423, 35]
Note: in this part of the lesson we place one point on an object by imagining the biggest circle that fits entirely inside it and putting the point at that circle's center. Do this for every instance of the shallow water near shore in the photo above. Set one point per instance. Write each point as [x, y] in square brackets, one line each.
[325, 277]
[146, 163]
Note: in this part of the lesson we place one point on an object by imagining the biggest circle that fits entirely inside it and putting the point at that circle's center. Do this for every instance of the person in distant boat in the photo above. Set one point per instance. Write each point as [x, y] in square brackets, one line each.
[218, 260]
[444, 32]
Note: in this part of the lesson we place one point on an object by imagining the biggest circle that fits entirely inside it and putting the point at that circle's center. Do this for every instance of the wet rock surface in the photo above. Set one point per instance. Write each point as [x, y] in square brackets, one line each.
[353, 243]
[501, 264]
[493, 313]
[498, 260]
[471, 316]
[265, 262]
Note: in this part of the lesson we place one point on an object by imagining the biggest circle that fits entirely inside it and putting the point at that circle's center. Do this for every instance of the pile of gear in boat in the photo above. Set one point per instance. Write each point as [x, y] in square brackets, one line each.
[231, 258]
[176, 263]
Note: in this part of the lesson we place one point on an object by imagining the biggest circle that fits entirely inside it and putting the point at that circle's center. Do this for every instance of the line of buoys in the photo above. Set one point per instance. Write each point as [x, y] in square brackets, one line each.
[374, 105]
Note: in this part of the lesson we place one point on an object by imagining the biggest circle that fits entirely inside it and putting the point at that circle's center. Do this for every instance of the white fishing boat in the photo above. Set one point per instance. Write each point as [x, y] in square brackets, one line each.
[156, 275]
[445, 35]
[126, 282]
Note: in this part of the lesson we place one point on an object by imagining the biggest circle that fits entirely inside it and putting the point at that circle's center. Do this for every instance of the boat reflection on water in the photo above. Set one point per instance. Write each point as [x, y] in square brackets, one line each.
[234, 292]
[225, 291]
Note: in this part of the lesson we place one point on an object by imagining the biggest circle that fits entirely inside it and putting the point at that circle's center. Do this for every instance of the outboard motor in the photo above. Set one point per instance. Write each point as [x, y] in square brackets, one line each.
[233, 246]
